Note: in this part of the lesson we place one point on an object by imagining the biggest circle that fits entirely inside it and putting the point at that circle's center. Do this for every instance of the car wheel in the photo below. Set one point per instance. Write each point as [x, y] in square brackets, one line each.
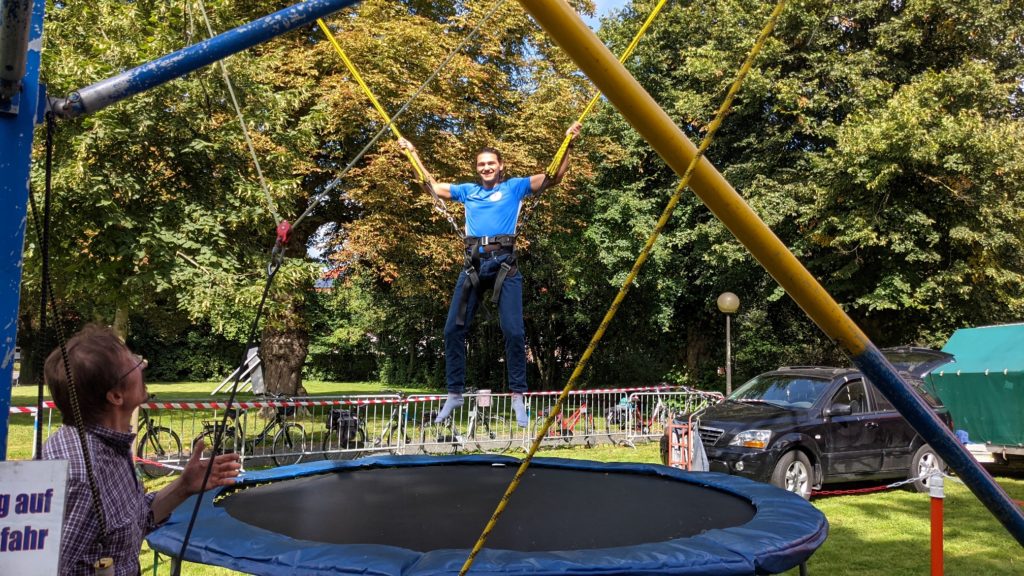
[793, 474]
[925, 461]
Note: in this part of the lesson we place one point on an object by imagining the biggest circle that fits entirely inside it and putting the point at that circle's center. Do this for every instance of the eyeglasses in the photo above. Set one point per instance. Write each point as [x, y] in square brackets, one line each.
[140, 363]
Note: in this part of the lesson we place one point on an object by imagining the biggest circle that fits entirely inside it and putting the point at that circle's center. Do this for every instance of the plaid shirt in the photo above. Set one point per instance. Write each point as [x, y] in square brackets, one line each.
[126, 506]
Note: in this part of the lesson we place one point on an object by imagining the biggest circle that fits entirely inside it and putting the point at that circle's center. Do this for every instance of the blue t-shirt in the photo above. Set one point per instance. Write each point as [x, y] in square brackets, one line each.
[495, 211]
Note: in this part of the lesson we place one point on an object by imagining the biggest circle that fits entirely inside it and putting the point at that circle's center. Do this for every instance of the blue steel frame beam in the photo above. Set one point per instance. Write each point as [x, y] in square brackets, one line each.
[167, 68]
[16, 134]
[15, 158]
[562, 23]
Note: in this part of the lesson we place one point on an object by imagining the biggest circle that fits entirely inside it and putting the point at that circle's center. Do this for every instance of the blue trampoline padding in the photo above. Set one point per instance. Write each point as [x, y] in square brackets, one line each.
[784, 532]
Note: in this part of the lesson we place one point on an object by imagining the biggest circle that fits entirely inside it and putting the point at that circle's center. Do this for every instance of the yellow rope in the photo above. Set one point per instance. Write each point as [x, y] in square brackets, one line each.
[420, 172]
[564, 148]
[662, 221]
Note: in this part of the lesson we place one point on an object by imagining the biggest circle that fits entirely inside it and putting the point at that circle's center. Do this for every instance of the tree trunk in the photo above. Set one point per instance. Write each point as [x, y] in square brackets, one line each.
[698, 354]
[121, 322]
[283, 353]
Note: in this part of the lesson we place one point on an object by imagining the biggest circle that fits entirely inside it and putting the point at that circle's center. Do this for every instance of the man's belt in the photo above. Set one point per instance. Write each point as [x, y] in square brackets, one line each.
[488, 244]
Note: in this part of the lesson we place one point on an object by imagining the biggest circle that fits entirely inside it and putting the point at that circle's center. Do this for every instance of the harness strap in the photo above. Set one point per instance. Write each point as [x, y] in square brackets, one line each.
[472, 265]
[507, 267]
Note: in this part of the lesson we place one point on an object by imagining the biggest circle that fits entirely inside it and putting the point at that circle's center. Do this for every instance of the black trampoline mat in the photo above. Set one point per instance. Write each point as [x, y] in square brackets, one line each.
[426, 508]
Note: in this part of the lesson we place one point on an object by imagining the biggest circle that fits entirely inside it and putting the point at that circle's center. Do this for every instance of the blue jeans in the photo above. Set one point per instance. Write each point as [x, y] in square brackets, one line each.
[510, 316]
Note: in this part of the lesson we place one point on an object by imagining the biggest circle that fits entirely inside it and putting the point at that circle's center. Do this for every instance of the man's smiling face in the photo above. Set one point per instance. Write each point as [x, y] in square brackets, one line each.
[489, 168]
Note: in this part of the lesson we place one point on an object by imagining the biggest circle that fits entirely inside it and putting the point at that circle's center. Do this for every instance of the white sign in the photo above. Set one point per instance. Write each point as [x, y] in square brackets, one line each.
[31, 514]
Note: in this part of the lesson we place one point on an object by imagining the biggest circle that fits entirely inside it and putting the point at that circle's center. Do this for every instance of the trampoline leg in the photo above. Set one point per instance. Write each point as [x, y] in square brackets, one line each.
[803, 569]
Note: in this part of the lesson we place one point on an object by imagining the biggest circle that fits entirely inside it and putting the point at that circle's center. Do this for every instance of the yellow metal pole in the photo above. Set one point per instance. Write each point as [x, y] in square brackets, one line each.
[563, 25]
[560, 21]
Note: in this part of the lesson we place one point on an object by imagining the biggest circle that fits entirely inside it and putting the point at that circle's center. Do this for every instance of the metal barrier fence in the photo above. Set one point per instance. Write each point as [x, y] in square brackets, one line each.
[283, 431]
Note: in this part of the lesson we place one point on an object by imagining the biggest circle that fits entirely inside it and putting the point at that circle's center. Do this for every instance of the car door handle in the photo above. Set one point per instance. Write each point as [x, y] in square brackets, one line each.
[871, 425]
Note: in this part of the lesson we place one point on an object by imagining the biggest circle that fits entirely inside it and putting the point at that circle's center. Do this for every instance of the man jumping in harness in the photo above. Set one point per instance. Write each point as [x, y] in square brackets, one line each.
[492, 211]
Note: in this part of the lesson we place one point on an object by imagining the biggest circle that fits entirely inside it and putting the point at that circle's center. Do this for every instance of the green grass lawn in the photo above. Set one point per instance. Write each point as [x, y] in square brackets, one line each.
[877, 533]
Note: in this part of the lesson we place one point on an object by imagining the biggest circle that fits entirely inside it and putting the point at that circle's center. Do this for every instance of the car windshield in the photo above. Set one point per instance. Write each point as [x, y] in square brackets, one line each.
[781, 390]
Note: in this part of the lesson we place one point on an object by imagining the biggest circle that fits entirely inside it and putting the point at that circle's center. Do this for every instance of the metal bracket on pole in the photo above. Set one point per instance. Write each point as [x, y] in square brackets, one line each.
[15, 20]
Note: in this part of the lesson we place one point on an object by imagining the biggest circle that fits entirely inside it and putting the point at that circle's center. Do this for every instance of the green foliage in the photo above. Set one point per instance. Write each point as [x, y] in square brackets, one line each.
[192, 354]
[881, 140]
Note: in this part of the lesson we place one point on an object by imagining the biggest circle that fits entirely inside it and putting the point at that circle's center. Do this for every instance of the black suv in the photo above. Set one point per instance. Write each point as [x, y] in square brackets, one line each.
[800, 427]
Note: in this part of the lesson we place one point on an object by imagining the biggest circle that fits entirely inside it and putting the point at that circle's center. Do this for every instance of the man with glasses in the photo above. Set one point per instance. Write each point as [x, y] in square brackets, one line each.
[109, 386]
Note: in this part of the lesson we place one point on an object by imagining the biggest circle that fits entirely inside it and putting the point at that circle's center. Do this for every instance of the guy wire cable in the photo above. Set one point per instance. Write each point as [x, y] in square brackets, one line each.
[271, 206]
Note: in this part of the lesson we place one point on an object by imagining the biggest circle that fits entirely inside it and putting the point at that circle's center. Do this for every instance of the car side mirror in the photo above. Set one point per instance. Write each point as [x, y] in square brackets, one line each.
[839, 409]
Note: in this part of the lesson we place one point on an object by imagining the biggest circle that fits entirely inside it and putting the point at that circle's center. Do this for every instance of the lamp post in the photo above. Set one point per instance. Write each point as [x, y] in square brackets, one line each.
[728, 303]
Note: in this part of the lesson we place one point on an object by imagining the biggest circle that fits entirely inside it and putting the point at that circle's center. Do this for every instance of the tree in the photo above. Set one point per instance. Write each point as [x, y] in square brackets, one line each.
[159, 203]
[856, 138]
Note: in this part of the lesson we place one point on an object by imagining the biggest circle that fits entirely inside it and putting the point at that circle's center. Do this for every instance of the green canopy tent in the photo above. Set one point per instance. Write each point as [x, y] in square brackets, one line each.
[984, 386]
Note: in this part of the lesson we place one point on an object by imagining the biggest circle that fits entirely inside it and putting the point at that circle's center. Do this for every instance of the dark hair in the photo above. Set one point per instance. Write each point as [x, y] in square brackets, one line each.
[95, 359]
[489, 150]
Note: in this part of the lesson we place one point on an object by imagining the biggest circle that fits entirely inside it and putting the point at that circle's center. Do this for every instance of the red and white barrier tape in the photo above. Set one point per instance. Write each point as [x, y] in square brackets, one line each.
[31, 409]
[158, 464]
[340, 401]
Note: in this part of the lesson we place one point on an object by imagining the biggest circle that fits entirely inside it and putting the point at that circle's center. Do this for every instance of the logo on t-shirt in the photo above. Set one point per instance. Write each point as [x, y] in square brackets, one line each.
[495, 197]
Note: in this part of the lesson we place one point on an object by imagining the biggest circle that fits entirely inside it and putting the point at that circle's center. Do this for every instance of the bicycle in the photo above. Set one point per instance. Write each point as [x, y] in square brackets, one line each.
[564, 427]
[659, 417]
[396, 428]
[158, 448]
[628, 414]
[437, 437]
[482, 429]
[345, 435]
[481, 419]
[286, 438]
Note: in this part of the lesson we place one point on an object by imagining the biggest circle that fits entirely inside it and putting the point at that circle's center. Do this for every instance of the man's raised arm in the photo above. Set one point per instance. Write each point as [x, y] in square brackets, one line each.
[442, 189]
[540, 181]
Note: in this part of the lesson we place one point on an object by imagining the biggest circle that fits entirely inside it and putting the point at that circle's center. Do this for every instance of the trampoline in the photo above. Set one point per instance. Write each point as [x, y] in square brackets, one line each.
[401, 515]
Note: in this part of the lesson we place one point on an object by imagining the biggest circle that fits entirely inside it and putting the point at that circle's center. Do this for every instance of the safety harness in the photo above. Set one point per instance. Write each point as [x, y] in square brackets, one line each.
[482, 248]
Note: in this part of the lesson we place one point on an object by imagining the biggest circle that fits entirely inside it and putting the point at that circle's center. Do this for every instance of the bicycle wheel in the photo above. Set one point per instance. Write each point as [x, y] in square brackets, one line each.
[161, 446]
[229, 442]
[289, 445]
[588, 431]
[496, 439]
[610, 429]
[438, 438]
[336, 447]
[392, 437]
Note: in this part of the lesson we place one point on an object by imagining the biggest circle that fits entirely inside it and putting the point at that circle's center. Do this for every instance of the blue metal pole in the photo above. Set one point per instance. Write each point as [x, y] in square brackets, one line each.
[15, 152]
[127, 84]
